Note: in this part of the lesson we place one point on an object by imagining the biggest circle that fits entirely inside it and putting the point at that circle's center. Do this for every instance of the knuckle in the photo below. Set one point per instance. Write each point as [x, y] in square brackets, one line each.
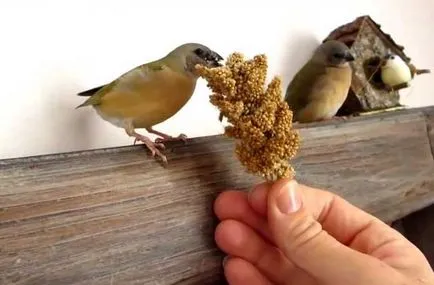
[304, 233]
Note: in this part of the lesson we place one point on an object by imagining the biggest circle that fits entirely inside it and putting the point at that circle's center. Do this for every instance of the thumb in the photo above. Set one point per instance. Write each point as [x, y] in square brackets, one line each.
[302, 239]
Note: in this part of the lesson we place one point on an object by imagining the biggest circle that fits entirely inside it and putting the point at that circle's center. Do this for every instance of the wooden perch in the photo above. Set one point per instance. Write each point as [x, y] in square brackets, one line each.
[115, 216]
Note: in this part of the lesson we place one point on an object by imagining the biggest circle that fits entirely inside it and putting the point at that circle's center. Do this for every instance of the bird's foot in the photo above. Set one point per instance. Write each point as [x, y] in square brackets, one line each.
[152, 146]
[164, 139]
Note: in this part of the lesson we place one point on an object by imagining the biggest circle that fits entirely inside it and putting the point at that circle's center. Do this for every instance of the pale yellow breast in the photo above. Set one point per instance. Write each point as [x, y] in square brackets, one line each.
[149, 102]
[327, 96]
[332, 86]
[395, 75]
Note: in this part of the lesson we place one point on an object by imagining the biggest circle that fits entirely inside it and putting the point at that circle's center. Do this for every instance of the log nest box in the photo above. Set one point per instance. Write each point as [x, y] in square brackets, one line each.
[369, 44]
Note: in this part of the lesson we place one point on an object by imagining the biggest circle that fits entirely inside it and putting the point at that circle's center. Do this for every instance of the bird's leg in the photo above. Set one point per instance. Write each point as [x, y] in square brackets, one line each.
[152, 146]
[166, 137]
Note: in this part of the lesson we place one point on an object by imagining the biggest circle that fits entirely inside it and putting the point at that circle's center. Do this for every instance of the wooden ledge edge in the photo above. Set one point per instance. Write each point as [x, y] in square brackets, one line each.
[397, 116]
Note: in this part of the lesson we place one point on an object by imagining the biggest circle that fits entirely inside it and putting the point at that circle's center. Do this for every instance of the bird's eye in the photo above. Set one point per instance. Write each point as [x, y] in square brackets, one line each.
[199, 52]
[339, 55]
[392, 57]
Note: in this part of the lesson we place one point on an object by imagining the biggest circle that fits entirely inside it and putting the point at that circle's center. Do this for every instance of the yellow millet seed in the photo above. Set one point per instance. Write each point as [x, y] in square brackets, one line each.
[260, 120]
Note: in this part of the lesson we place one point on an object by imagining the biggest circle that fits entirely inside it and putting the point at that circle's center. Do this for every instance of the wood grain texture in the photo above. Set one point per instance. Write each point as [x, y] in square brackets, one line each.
[430, 129]
[115, 216]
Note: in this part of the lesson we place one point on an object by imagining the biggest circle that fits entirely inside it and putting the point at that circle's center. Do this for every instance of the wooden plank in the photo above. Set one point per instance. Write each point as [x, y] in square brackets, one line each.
[115, 216]
[430, 128]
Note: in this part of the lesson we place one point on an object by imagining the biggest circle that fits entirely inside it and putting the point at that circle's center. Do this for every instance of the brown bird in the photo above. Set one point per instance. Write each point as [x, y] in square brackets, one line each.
[152, 93]
[321, 86]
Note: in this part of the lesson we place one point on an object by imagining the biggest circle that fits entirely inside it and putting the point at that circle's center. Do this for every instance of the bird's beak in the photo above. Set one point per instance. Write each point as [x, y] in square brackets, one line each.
[214, 59]
[349, 57]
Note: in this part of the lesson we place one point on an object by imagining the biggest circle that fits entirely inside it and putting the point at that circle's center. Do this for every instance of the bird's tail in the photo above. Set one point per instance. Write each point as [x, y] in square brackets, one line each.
[89, 101]
[422, 71]
[84, 104]
[90, 92]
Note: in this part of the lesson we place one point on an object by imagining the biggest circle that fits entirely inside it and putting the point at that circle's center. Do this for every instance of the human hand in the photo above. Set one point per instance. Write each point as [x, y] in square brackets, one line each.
[288, 233]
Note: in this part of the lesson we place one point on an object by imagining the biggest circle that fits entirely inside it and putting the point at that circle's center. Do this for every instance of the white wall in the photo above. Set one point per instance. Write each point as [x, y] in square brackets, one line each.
[50, 50]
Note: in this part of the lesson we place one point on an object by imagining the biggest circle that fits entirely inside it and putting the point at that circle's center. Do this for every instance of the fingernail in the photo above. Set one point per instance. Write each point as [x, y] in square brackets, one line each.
[288, 200]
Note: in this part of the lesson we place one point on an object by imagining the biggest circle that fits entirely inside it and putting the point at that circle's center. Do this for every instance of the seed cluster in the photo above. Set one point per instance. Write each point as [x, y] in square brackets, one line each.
[259, 119]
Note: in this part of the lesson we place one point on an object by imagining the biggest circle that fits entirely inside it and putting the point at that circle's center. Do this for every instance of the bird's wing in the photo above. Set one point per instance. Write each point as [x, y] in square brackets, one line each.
[90, 92]
[298, 93]
[127, 80]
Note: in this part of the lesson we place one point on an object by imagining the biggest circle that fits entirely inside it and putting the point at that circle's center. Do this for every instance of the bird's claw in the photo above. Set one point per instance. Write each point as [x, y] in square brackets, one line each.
[157, 144]
[181, 137]
[153, 147]
[156, 152]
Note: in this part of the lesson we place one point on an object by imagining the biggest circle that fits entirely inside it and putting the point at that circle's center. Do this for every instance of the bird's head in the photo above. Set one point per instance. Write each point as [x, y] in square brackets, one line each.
[391, 60]
[389, 55]
[333, 53]
[192, 54]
